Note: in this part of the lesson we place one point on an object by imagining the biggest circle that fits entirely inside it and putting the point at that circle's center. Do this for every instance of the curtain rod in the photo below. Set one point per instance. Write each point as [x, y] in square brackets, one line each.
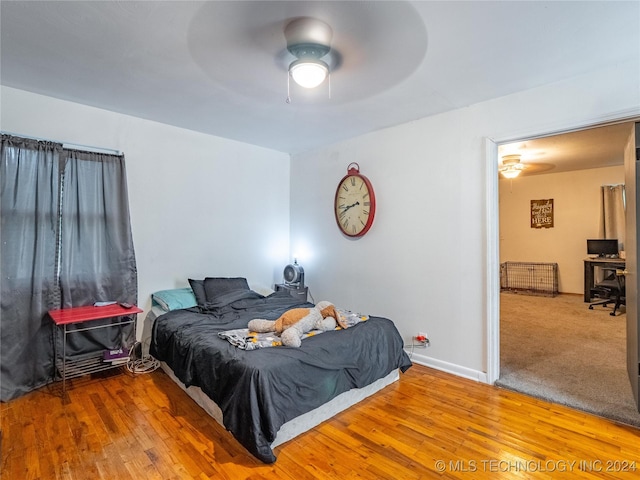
[67, 145]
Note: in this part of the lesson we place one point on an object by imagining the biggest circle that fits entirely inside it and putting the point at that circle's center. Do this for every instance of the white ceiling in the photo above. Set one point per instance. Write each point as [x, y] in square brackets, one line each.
[220, 67]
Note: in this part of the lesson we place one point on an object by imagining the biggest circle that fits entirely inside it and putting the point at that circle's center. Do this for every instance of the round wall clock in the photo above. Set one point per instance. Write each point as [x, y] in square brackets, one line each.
[355, 203]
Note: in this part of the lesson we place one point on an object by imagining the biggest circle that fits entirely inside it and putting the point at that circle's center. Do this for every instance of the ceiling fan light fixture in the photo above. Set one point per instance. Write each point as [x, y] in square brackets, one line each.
[308, 73]
[308, 40]
[511, 166]
[510, 173]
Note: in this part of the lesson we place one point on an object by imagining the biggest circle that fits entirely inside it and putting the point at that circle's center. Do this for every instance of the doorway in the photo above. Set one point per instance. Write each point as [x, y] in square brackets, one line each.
[572, 281]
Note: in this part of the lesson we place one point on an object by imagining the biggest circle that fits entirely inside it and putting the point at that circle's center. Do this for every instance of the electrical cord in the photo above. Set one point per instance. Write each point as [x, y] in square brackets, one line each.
[144, 364]
[423, 344]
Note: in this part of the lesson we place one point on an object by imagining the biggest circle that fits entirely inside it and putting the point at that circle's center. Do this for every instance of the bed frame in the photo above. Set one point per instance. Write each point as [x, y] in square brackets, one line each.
[302, 423]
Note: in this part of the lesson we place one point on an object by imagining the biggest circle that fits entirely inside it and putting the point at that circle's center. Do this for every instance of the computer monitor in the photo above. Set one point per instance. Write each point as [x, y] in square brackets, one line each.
[602, 246]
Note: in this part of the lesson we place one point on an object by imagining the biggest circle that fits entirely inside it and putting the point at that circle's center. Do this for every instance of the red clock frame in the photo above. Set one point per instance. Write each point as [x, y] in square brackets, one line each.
[353, 170]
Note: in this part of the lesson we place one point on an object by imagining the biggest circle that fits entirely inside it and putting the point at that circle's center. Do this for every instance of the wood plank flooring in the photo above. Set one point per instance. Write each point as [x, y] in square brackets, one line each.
[428, 425]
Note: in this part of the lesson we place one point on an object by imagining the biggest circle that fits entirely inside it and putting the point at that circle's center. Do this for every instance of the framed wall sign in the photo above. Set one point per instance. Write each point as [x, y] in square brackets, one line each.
[542, 213]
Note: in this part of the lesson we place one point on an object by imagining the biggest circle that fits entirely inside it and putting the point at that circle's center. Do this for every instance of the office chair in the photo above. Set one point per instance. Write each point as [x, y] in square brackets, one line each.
[612, 288]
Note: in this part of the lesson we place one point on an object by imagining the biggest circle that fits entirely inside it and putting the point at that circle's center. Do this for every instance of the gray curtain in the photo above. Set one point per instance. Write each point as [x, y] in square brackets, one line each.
[96, 246]
[66, 242]
[613, 213]
[29, 206]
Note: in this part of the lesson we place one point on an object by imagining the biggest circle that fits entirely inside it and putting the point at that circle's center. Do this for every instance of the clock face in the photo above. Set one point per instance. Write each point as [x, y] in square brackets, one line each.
[354, 205]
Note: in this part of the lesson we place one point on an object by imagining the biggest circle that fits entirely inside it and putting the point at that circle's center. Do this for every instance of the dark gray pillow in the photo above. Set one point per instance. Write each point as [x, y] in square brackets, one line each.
[215, 287]
[198, 290]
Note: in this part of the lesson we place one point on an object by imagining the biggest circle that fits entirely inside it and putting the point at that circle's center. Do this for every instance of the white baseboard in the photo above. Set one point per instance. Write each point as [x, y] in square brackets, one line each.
[449, 367]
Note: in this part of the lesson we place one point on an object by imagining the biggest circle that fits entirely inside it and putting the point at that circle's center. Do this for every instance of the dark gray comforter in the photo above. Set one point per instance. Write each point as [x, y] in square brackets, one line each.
[260, 390]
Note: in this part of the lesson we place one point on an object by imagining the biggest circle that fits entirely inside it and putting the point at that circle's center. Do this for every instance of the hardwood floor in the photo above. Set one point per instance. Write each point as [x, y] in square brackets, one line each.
[428, 425]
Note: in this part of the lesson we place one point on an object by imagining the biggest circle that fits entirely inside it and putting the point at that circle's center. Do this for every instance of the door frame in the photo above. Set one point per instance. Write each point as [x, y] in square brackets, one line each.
[492, 212]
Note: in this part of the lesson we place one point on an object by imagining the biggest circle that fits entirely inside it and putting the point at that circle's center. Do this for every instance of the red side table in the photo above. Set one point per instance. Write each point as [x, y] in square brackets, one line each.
[85, 315]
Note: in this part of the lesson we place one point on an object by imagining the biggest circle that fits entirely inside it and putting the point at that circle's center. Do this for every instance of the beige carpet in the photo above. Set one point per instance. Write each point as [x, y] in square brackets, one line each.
[557, 349]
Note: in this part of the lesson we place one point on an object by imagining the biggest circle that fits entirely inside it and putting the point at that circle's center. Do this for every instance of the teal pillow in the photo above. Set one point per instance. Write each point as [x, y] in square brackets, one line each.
[174, 299]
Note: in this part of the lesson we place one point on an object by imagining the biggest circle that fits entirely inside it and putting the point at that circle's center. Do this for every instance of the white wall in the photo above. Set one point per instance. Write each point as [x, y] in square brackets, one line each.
[424, 262]
[577, 216]
[200, 205]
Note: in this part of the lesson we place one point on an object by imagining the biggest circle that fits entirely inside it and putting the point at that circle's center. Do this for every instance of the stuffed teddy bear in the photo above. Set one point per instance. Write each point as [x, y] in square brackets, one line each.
[292, 324]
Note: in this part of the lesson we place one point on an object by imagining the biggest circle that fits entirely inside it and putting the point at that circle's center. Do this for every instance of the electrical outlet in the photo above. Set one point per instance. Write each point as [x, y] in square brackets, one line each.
[421, 339]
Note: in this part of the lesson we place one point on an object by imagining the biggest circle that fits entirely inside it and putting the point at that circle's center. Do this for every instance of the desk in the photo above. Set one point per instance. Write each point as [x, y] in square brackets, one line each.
[589, 267]
[75, 315]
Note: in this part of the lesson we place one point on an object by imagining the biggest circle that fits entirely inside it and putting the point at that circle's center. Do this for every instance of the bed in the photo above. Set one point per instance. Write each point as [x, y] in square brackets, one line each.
[268, 395]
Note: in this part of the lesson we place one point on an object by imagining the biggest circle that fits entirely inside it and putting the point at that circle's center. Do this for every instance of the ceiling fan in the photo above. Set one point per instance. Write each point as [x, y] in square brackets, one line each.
[512, 166]
[309, 40]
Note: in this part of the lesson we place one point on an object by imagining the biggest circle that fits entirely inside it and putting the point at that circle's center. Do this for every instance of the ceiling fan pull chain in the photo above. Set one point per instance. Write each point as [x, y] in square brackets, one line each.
[329, 85]
[288, 100]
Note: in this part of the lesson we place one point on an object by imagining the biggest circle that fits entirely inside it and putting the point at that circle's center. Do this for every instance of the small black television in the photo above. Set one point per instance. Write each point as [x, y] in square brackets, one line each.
[602, 246]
